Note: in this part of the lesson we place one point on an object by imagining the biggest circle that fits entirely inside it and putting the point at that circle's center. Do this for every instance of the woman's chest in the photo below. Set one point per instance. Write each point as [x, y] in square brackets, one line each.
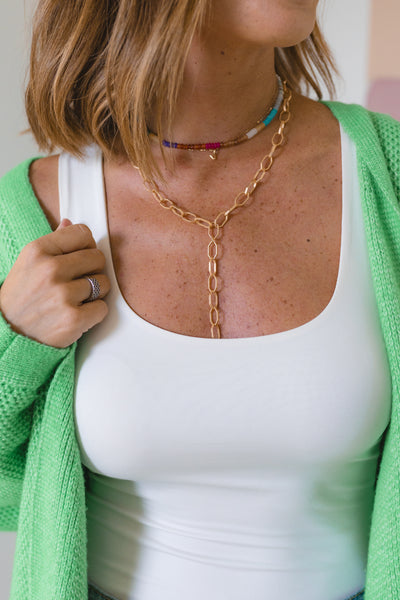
[277, 261]
[163, 404]
[293, 394]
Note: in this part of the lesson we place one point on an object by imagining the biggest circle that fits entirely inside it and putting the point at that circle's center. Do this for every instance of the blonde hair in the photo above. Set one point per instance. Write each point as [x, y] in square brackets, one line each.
[98, 67]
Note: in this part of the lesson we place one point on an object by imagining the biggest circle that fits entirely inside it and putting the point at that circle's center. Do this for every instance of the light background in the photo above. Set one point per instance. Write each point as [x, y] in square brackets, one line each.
[384, 55]
[345, 22]
[363, 35]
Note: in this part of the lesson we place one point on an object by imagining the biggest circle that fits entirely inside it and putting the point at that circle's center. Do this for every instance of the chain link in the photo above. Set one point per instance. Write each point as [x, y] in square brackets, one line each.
[214, 227]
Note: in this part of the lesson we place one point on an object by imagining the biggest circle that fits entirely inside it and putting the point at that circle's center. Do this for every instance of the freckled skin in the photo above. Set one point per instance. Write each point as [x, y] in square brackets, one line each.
[290, 280]
[279, 255]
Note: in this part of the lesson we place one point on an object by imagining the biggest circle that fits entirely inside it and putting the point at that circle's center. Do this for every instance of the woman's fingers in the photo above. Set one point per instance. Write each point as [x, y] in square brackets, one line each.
[78, 263]
[43, 296]
[63, 240]
[64, 223]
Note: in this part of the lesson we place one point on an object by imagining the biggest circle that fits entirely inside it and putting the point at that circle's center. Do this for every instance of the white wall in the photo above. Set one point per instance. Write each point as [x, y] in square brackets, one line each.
[346, 25]
[13, 149]
[345, 22]
[13, 50]
[7, 545]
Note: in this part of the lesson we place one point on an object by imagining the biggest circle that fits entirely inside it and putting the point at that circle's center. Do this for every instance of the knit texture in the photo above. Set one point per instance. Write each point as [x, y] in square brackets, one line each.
[42, 491]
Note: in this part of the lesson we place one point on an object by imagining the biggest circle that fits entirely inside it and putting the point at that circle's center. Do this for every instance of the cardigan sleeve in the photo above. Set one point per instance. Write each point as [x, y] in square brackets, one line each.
[26, 369]
[388, 131]
[26, 366]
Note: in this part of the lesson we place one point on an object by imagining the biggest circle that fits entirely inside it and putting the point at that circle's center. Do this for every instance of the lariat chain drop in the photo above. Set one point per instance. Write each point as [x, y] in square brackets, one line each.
[214, 227]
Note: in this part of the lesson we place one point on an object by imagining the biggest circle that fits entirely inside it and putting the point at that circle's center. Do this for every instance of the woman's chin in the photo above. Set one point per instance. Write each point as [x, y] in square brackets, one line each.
[276, 25]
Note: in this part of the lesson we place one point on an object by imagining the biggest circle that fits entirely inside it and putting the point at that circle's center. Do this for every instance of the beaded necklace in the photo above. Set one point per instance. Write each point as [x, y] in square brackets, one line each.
[214, 147]
[214, 227]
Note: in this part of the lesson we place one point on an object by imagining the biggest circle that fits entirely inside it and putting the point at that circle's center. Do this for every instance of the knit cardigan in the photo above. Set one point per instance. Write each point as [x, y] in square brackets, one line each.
[42, 482]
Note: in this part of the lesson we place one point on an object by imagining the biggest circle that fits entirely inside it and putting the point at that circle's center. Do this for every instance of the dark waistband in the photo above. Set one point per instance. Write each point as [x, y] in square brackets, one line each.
[96, 594]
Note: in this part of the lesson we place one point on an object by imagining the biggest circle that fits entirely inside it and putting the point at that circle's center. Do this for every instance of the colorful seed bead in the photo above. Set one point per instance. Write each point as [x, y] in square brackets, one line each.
[246, 136]
[271, 115]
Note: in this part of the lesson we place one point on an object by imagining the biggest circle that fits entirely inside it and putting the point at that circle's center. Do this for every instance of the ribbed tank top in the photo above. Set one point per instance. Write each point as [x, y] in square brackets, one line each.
[236, 468]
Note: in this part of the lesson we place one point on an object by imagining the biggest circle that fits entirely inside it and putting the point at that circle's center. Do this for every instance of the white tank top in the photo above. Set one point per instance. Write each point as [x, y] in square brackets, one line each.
[234, 468]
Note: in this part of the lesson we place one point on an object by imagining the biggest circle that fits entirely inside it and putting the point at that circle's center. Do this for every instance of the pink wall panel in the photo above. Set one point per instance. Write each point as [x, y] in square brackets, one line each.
[384, 58]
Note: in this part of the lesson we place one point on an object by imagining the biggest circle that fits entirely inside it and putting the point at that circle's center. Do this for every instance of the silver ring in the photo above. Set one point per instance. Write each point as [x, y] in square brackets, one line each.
[95, 291]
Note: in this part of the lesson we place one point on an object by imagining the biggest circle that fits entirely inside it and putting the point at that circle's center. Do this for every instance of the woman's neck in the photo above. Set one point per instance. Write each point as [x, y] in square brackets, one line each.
[225, 91]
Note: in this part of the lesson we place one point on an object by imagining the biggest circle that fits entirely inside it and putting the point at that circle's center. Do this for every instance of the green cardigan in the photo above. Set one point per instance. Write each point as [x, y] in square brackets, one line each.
[42, 483]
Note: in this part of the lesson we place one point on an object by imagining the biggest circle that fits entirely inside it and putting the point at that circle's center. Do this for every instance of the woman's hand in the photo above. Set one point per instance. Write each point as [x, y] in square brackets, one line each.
[42, 296]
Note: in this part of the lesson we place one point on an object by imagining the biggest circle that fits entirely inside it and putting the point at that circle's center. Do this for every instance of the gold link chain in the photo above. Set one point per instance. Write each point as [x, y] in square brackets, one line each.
[214, 227]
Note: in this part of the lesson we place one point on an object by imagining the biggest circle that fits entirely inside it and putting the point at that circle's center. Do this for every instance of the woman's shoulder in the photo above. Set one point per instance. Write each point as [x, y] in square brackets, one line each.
[33, 181]
[359, 120]
[28, 175]
[43, 176]
[376, 135]
[33, 185]
[28, 194]
[44, 173]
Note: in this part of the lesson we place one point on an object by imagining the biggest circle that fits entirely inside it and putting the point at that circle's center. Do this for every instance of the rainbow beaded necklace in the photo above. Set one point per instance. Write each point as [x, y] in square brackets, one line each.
[214, 147]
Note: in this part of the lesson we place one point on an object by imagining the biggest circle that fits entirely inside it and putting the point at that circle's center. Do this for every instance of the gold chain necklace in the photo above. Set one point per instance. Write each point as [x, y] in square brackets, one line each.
[214, 227]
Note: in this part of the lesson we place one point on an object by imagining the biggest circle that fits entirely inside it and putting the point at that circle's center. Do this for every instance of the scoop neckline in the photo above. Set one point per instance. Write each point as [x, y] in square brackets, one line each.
[292, 332]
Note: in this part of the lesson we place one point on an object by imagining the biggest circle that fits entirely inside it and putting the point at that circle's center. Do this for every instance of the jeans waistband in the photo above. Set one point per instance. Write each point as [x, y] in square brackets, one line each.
[358, 596]
[96, 594]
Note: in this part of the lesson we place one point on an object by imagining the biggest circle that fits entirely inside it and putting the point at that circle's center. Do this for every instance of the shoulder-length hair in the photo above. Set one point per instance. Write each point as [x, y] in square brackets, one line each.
[99, 67]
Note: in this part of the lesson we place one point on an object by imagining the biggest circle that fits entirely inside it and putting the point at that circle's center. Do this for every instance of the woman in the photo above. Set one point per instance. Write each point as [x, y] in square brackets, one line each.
[241, 467]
